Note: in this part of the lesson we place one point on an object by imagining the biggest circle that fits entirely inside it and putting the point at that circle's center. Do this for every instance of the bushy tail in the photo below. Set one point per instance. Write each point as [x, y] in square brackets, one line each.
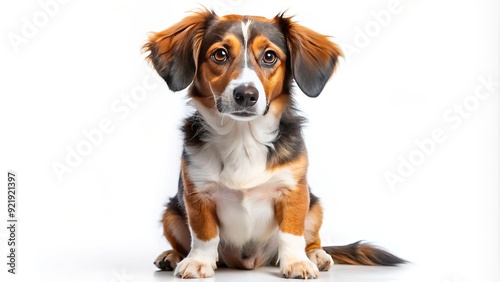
[362, 253]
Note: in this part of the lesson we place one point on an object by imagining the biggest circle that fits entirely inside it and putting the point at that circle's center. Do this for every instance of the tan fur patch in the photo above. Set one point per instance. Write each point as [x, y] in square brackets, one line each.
[176, 232]
[291, 209]
[313, 224]
[202, 215]
[272, 78]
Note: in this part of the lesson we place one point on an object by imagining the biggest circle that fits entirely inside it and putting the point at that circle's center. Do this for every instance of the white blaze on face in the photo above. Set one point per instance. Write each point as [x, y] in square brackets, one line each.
[245, 30]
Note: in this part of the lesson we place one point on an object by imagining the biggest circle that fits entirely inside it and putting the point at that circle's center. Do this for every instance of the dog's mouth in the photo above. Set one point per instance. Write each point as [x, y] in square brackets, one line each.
[242, 114]
[235, 110]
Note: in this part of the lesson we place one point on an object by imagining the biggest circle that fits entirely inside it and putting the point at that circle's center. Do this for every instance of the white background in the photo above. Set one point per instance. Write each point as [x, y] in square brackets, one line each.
[401, 75]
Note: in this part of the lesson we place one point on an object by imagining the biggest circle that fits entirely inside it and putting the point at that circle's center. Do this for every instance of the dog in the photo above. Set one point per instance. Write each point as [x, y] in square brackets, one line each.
[243, 199]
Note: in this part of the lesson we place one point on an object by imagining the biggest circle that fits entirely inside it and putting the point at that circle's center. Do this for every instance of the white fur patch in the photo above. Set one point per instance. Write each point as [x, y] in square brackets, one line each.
[245, 29]
[291, 248]
[294, 262]
[204, 250]
[201, 260]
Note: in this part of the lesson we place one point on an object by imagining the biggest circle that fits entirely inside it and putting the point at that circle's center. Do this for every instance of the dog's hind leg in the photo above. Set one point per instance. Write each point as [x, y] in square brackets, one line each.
[168, 260]
[313, 222]
[176, 231]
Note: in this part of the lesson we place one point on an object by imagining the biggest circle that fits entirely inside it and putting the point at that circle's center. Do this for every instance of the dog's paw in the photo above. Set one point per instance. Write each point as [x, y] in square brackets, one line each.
[300, 270]
[193, 268]
[168, 260]
[321, 259]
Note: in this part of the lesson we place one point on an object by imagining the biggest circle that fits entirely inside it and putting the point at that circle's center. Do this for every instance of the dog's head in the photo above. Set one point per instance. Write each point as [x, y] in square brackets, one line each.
[240, 65]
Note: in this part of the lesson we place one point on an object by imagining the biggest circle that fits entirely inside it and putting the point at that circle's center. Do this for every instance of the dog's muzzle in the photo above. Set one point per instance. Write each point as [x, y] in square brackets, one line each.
[242, 103]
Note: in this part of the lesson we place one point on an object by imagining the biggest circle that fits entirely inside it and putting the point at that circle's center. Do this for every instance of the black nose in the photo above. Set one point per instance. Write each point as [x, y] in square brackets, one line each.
[246, 96]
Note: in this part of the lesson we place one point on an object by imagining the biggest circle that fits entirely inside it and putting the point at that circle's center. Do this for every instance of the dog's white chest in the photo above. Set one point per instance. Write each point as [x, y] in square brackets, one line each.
[241, 168]
[244, 164]
[236, 159]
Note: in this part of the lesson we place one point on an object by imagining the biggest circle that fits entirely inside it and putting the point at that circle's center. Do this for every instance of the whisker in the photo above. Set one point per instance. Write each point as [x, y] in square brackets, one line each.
[213, 94]
[222, 120]
[215, 103]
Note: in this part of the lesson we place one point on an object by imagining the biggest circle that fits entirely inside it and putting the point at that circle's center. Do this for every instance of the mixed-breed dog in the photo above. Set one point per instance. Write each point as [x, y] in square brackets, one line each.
[243, 199]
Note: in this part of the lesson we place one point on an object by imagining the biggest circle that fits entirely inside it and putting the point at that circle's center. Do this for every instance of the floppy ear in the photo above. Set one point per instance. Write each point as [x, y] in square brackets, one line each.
[174, 51]
[312, 56]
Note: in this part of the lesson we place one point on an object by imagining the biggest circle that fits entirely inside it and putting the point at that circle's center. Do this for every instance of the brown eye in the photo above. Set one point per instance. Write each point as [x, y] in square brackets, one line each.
[269, 58]
[220, 55]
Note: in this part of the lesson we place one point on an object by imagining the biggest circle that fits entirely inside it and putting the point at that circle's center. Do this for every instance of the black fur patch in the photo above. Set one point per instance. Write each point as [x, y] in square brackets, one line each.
[176, 204]
[193, 130]
[289, 144]
[313, 199]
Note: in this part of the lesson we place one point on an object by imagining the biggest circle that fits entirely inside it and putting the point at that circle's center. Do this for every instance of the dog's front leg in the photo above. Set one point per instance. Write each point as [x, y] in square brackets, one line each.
[291, 210]
[203, 224]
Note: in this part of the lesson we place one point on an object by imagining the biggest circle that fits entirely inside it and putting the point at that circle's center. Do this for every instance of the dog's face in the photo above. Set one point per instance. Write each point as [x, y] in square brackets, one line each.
[241, 65]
